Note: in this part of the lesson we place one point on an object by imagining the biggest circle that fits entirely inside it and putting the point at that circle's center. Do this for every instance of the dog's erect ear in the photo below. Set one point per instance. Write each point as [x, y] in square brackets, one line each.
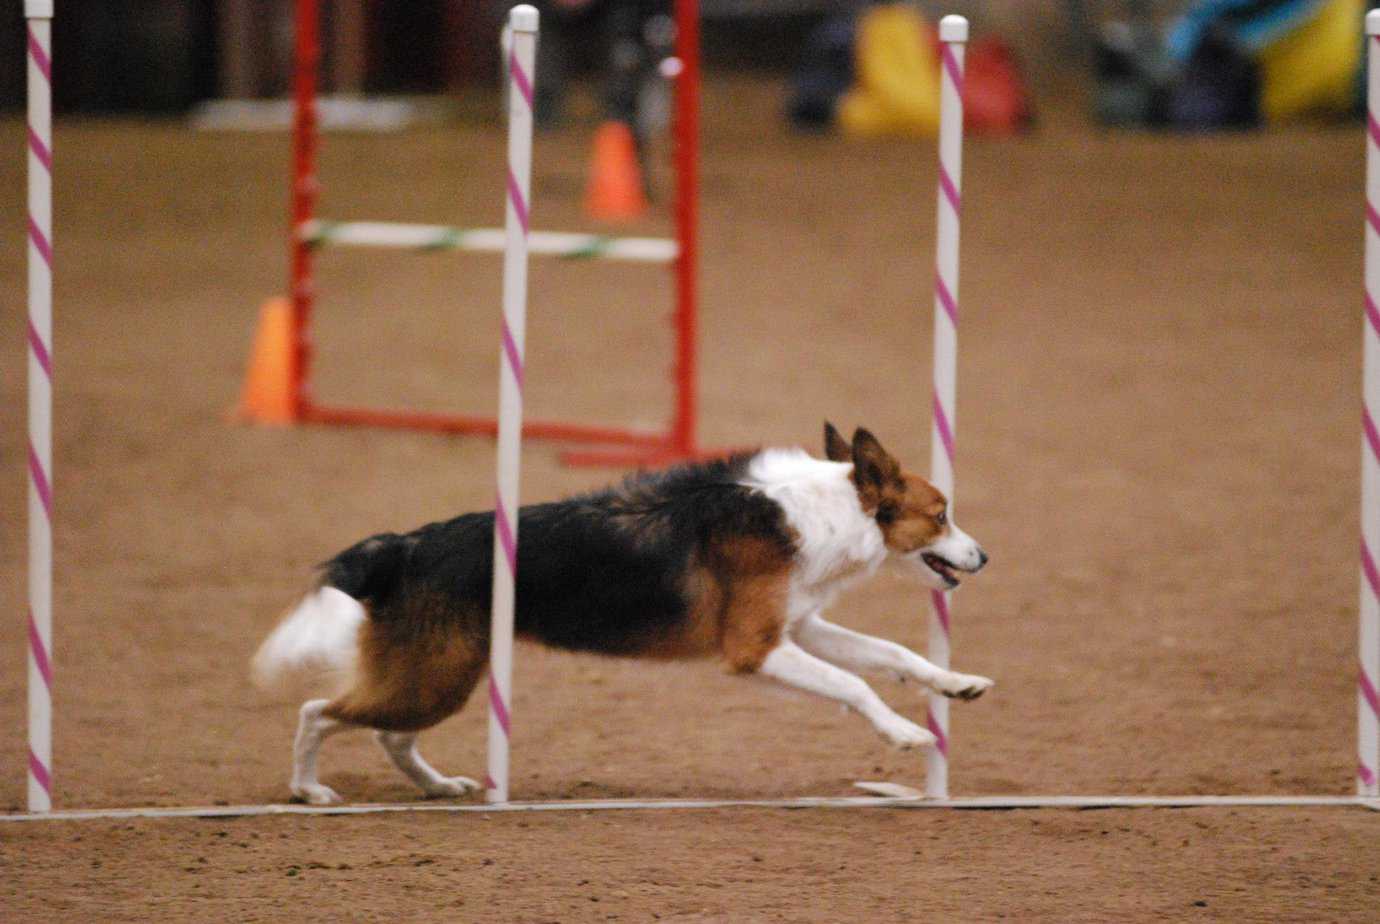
[836, 448]
[873, 467]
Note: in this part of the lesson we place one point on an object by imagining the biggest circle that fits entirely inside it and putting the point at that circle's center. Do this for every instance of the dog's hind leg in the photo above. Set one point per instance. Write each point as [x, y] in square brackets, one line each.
[860, 652]
[402, 750]
[412, 677]
[312, 729]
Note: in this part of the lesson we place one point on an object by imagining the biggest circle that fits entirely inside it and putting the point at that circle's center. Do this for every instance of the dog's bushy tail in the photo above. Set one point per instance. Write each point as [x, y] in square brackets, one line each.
[315, 647]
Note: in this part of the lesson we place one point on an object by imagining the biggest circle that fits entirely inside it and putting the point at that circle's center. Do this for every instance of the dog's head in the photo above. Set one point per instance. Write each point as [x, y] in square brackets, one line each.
[912, 514]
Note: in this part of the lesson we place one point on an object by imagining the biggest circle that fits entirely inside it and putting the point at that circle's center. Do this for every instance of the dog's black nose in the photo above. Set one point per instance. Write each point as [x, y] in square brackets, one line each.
[982, 559]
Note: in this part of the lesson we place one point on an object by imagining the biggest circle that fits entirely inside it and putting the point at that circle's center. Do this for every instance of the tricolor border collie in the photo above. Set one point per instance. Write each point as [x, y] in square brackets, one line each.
[735, 558]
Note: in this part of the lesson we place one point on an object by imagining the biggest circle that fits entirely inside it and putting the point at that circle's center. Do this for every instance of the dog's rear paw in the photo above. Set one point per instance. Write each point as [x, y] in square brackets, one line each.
[965, 686]
[450, 787]
[906, 735]
[315, 794]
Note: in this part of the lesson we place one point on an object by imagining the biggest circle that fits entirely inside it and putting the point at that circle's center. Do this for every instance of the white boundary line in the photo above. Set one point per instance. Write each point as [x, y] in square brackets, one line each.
[990, 803]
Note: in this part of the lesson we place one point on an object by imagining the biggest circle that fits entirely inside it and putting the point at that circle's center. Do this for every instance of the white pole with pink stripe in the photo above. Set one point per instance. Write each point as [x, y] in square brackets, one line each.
[522, 25]
[953, 34]
[1368, 675]
[39, 16]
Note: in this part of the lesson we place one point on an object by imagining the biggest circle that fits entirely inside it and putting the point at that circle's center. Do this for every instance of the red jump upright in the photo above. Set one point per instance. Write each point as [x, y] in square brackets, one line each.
[307, 232]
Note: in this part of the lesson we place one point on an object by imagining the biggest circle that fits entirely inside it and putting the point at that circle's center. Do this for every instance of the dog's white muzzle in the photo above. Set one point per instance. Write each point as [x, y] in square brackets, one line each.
[952, 552]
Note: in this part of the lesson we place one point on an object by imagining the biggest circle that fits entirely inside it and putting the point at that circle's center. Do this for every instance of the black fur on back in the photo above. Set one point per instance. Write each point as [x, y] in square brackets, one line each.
[603, 571]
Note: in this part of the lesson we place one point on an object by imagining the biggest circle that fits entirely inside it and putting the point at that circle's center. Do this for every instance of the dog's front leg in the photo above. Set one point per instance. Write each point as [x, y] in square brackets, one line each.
[793, 666]
[860, 652]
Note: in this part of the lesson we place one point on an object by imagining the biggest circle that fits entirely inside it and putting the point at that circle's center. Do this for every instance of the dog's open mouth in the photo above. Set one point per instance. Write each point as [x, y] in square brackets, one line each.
[940, 567]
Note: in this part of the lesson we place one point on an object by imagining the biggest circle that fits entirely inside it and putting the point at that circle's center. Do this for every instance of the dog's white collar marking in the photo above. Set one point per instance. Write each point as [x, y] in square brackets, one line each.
[838, 542]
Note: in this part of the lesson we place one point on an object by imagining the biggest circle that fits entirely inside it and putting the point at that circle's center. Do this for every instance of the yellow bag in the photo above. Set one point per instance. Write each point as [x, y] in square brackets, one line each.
[897, 90]
[1313, 68]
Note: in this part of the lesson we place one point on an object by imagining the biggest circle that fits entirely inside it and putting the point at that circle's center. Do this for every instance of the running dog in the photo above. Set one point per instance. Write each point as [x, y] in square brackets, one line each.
[736, 558]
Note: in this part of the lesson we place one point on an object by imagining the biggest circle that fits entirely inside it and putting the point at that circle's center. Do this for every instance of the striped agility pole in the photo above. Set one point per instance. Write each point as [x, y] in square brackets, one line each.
[39, 16]
[1368, 671]
[953, 34]
[522, 22]
[565, 245]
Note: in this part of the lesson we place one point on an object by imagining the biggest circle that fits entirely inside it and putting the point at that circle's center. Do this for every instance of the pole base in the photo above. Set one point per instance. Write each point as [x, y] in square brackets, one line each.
[890, 790]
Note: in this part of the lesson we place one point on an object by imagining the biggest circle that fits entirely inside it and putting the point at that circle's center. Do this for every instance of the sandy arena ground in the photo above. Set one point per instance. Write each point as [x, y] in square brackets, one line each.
[1158, 444]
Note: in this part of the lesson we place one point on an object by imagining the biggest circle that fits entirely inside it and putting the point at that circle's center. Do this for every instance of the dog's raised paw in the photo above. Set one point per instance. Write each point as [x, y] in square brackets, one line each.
[906, 735]
[315, 794]
[450, 787]
[966, 686]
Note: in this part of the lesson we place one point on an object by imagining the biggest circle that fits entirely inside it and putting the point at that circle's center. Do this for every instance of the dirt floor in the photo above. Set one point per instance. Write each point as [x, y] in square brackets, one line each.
[739, 865]
[1158, 444]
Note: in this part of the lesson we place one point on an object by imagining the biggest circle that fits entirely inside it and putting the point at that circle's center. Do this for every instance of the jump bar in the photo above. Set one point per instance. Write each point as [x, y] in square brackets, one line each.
[564, 244]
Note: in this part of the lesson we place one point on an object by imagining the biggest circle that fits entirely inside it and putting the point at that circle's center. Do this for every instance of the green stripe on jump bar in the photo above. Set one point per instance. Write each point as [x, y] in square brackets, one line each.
[594, 247]
[437, 238]
[448, 239]
[319, 233]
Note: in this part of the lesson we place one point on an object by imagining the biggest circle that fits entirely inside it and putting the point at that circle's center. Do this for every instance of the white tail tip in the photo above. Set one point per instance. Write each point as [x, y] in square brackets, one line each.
[314, 647]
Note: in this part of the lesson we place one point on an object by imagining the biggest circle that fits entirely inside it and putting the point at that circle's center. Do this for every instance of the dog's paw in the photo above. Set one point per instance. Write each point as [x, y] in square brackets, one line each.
[315, 794]
[964, 686]
[450, 787]
[905, 734]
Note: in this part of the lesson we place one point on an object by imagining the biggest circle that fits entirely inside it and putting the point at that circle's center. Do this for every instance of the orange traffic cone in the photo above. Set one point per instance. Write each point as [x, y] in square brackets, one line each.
[267, 394]
[615, 189]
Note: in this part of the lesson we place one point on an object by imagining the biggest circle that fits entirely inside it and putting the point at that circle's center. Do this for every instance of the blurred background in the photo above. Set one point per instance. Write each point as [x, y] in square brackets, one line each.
[1187, 63]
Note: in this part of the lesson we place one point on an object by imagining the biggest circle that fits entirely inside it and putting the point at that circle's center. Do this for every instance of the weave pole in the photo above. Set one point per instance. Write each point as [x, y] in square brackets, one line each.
[522, 24]
[953, 34]
[39, 20]
[1368, 670]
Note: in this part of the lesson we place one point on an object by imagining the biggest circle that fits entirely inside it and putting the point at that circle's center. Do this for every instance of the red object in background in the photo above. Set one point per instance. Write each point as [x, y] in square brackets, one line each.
[678, 442]
[301, 287]
[996, 99]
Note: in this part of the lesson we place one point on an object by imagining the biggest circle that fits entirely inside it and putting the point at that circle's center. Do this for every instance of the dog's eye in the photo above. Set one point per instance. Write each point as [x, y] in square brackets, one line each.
[942, 518]
[886, 514]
